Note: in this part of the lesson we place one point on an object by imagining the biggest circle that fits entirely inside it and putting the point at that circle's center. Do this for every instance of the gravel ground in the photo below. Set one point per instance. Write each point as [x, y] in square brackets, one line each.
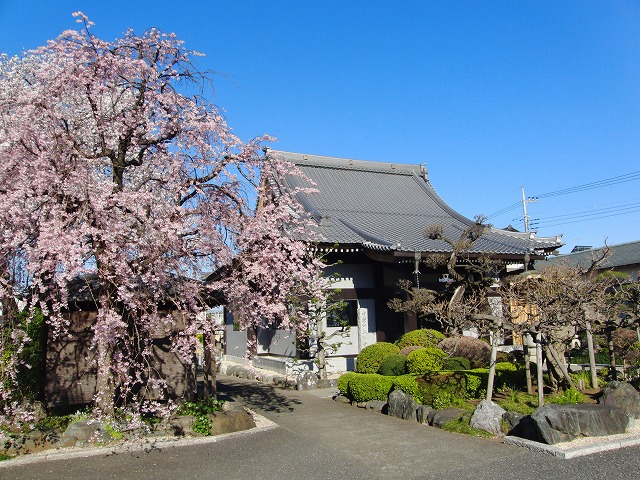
[633, 431]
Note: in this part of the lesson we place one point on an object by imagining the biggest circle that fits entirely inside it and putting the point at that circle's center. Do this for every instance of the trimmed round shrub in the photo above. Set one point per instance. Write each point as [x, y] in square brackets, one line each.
[424, 337]
[393, 365]
[369, 386]
[370, 358]
[506, 367]
[473, 349]
[425, 360]
[458, 386]
[456, 363]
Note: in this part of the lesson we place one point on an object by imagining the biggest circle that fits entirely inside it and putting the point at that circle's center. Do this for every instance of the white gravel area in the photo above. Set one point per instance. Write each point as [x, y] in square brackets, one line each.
[632, 431]
[581, 446]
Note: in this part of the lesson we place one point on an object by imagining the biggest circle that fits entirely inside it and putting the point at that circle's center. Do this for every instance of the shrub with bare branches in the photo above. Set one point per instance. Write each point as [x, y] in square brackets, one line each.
[473, 349]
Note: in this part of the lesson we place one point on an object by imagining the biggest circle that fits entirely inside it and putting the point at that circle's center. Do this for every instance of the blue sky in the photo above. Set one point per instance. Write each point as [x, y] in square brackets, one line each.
[493, 96]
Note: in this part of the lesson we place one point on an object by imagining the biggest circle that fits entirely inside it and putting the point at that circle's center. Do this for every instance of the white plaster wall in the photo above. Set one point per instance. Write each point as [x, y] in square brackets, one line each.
[351, 276]
[359, 336]
[341, 364]
[276, 342]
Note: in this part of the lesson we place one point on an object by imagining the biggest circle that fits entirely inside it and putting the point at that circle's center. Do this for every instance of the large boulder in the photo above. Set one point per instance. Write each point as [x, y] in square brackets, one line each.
[562, 423]
[85, 432]
[402, 405]
[307, 381]
[488, 417]
[521, 426]
[221, 422]
[231, 421]
[623, 396]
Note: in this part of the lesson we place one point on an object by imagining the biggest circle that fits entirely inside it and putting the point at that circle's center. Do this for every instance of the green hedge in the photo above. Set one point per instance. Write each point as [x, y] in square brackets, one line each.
[425, 360]
[343, 382]
[424, 337]
[409, 385]
[370, 358]
[428, 387]
[363, 387]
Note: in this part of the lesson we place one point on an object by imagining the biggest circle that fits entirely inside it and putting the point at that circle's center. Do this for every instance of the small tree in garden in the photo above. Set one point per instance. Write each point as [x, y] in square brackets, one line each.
[115, 165]
[545, 306]
[324, 314]
[561, 300]
[620, 314]
[465, 302]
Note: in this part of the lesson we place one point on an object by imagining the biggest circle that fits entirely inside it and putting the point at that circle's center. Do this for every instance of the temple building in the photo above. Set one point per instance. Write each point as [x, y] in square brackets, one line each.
[373, 218]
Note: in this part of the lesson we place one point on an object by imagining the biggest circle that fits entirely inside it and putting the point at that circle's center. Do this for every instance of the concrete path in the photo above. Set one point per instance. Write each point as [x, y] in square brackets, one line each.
[316, 438]
[384, 446]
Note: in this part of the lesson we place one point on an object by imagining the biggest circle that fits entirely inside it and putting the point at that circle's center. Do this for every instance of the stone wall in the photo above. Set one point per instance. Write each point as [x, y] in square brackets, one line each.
[71, 364]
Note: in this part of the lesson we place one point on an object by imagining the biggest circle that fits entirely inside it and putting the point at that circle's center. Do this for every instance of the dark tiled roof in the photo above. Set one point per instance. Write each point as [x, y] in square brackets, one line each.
[388, 207]
[623, 255]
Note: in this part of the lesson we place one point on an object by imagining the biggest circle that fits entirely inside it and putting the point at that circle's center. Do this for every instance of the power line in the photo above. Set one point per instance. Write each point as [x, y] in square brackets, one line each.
[598, 211]
[504, 210]
[585, 218]
[627, 177]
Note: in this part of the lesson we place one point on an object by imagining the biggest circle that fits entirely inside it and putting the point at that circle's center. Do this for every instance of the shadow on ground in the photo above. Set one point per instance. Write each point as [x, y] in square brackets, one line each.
[267, 398]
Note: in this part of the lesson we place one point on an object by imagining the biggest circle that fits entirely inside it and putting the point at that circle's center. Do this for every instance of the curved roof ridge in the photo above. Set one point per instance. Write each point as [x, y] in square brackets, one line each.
[527, 235]
[351, 164]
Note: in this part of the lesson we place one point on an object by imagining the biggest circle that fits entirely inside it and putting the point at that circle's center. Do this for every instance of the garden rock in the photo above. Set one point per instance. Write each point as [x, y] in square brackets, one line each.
[512, 420]
[221, 422]
[438, 418]
[307, 381]
[181, 425]
[402, 405]
[328, 383]
[562, 423]
[85, 432]
[422, 413]
[231, 421]
[522, 426]
[623, 396]
[376, 405]
[488, 417]
[341, 399]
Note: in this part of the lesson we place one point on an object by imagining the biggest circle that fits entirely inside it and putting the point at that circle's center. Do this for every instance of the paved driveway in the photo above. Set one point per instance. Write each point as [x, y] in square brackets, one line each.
[316, 438]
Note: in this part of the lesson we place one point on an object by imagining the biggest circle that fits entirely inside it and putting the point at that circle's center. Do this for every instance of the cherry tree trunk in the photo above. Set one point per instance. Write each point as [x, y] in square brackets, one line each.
[209, 367]
[560, 364]
[321, 353]
[105, 387]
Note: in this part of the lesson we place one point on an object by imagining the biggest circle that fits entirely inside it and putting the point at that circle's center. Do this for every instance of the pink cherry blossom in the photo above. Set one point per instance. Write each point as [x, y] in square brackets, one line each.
[115, 167]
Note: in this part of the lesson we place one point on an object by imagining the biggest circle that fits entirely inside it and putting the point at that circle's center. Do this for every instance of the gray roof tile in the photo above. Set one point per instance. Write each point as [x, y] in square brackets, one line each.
[389, 206]
[622, 255]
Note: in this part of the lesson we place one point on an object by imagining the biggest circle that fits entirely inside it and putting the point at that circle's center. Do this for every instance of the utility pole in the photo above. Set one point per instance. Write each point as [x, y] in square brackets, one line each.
[526, 200]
